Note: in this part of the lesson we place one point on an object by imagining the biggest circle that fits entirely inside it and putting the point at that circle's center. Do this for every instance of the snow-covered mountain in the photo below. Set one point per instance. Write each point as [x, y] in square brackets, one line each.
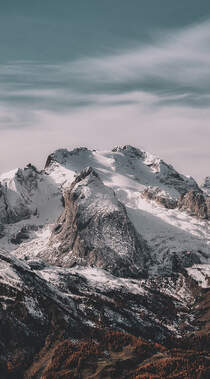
[123, 167]
[25, 193]
[143, 188]
[116, 239]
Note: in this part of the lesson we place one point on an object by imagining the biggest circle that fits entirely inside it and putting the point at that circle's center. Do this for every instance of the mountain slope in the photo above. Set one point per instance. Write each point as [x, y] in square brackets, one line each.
[122, 167]
[175, 238]
[27, 193]
[102, 241]
[128, 171]
[43, 306]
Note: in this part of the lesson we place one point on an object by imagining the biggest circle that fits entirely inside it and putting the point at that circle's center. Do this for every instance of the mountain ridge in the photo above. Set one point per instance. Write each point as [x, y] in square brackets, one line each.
[101, 241]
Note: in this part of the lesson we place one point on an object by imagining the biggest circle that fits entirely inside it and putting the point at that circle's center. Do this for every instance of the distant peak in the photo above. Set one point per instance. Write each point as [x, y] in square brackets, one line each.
[28, 170]
[57, 156]
[131, 150]
[61, 155]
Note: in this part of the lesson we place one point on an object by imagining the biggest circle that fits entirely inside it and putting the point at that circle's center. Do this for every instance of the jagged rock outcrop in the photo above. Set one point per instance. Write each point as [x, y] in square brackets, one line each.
[206, 189]
[23, 234]
[195, 203]
[208, 206]
[160, 197]
[206, 185]
[16, 191]
[130, 150]
[12, 207]
[25, 193]
[94, 229]
[63, 155]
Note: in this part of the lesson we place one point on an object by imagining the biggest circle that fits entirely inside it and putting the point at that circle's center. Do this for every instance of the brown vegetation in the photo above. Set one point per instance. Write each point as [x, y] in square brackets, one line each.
[114, 354]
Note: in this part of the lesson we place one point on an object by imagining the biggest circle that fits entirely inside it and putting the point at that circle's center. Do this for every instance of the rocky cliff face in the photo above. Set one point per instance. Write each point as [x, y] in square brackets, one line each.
[12, 207]
[27, 193]
[195, 203]
[30, 312]
[115, 255]
[160, 197]
[206, 185]
[41, 306]
[16, 190]
[94, 229]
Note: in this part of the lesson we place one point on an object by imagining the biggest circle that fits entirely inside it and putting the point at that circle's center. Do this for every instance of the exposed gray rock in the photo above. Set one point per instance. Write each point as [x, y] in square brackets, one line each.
[208, 206]
[94, 229]
[28, 177]
[63, 155]
[15, 200]
[23, 234]
[12, 207]
[27, 192]
[206, 185]
[1, 230]
[160, 197]
[206, 189]
[36, 265]
[195, 203]
[133, 152]
[20, 236]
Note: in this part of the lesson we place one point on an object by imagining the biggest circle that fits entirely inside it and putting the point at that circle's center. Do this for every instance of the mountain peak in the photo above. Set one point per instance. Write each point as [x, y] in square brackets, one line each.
[99, 240]
[131, 150]
[86, 172]
[62, 155]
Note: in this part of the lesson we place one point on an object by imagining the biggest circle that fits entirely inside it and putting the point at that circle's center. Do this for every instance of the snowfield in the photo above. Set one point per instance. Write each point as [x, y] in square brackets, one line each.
[127, 171]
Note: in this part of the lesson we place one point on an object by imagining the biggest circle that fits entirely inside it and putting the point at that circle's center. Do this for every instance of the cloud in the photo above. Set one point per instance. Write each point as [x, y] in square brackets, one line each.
[180, 57]
[175, 67]
[155, 96]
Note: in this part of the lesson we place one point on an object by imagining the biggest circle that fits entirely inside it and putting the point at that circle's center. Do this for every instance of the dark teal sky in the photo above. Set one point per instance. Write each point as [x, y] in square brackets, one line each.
[52, 30]
[101, 73]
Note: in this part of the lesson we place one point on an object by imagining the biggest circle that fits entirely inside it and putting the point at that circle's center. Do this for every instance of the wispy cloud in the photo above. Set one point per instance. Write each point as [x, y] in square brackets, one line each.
[175, 68]
[154, 95]
[181, 57]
